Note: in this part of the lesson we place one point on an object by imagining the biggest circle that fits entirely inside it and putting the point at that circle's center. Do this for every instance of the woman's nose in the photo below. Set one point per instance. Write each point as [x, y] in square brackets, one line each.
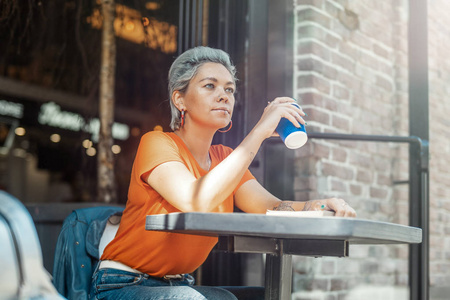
[222, 96]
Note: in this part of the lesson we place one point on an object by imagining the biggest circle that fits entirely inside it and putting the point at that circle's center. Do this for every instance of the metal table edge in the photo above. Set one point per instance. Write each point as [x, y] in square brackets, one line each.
[350, 228]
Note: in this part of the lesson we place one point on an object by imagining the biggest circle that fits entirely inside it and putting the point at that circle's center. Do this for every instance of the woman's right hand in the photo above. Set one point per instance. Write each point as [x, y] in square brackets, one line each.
[279, 108]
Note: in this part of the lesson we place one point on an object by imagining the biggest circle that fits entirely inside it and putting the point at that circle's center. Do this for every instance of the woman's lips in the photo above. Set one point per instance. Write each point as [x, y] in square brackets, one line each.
[222, 109]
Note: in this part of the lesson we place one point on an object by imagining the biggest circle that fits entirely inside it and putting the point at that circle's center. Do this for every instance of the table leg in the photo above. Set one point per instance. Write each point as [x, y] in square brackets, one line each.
[278, 277]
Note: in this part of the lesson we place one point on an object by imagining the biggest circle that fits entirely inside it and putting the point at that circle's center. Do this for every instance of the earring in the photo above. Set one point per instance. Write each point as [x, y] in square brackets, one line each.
[182, 118]
[226, 130]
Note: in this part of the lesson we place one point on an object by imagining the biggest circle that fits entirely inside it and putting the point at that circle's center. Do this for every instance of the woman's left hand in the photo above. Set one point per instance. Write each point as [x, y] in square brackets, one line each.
[339, 206]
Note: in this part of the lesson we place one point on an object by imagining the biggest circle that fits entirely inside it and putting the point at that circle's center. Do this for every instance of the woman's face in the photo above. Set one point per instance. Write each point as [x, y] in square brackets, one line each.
[209, 98]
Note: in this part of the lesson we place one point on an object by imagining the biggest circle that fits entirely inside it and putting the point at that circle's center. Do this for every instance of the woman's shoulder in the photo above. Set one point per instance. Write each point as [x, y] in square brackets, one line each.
[156, 138]
[157, 135]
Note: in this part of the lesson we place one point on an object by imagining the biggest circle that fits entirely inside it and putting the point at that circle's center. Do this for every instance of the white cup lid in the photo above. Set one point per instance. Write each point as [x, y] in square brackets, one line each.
[296, 140]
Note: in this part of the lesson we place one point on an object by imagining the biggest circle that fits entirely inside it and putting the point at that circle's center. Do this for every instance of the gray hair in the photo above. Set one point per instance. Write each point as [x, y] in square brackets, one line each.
[186, 66]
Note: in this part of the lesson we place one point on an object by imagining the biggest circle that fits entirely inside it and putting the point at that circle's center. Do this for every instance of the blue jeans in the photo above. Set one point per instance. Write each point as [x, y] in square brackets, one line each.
[118, 284]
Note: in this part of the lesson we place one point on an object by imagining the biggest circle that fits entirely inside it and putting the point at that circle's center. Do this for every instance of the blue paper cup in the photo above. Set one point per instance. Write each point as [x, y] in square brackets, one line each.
[292, 136]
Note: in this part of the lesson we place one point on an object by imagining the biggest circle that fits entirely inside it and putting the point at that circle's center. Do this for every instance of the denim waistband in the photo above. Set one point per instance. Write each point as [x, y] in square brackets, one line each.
[111, 264]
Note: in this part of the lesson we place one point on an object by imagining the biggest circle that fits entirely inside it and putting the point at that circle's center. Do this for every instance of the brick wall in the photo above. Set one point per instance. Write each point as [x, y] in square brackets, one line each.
[439, 78]
[351, 76]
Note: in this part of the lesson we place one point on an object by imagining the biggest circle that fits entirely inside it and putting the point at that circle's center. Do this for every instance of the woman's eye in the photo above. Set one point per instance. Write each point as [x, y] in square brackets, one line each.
[230, 90]
[209, 86]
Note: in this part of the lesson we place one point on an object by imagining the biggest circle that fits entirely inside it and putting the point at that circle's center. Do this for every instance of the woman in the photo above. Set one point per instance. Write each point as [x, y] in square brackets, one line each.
[181, 171]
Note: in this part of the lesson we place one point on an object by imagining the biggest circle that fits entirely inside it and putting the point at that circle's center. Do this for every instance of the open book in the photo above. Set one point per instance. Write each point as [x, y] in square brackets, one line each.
[308, 213]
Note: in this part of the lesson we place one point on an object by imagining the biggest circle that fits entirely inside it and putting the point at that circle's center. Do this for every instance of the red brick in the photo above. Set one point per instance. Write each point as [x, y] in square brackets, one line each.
[338, 186]
[340, 92]
[328, 267]
[313, 81]
[349, 50]
[384, 179]
[330, 104]
[316, 115]
[382, 51]
[309, 64]
[364, 176]
[371, 206]
[360, 160]
[349, 80]
[355, 189]
[320, 284]
[378, 192]
[382, 164]
[313, 47]
[309, 14]
[340, 123]
[307, 30]
[345, 108]
[339, 171]
[344, 61]
[310, 98]
[317, 3]
[330, 71]
[332, 8]
[321, 151]
[338, 284]
[368, 266]
[339, 154]
[384, 83]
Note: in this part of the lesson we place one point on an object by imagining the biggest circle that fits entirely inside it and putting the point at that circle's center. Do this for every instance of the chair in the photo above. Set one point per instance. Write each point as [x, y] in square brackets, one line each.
[84, 235]
[23, 275]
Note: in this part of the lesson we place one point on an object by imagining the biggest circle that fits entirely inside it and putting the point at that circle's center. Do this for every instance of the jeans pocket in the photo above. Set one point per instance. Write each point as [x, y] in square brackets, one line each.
[109, 280]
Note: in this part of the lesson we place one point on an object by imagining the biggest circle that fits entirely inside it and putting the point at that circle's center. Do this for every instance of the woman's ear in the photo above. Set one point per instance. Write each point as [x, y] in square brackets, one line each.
[178, 100]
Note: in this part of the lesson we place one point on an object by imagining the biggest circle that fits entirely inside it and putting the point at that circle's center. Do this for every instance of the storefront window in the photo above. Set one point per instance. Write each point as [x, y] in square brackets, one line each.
[49, 83]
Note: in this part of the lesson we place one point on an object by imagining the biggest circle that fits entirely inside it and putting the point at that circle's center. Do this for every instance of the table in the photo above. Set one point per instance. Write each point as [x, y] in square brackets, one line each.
[282, 237]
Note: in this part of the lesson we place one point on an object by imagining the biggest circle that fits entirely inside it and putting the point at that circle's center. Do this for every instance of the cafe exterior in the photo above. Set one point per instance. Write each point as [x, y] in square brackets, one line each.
[363, 71]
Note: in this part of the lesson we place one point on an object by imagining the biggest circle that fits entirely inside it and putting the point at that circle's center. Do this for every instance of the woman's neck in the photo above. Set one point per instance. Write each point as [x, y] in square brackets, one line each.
[198, 142]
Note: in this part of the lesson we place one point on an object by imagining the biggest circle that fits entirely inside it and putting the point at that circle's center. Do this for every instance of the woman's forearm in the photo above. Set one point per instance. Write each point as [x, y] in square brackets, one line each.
[289, 205]
[212, 189]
